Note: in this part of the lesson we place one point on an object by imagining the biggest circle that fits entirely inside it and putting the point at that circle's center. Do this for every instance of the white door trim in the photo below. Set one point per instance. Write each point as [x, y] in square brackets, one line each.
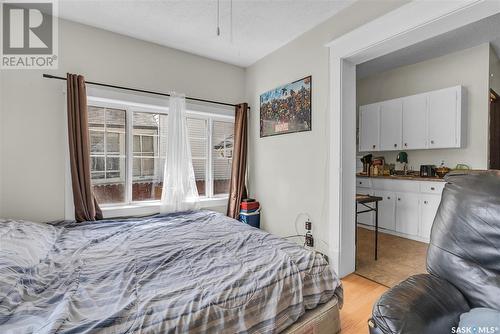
[410, 24]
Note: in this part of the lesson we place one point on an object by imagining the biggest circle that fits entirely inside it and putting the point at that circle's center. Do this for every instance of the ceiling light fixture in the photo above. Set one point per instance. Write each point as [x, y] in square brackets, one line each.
[218, 17]
[231, 21]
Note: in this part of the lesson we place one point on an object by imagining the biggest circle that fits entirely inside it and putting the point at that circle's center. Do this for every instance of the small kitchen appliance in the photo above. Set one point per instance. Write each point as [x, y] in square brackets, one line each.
[427, 170]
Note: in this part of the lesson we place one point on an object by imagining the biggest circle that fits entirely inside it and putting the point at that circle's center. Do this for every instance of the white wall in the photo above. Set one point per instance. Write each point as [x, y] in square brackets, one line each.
[32, 156]
[288, 173]
[494, 71]
[468, 68]
[1, 139]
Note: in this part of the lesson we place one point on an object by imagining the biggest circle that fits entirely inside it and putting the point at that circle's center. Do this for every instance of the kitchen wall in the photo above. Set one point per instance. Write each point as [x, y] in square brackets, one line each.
[468, 68]
[288, 173]
[33, 150]
[494, 71]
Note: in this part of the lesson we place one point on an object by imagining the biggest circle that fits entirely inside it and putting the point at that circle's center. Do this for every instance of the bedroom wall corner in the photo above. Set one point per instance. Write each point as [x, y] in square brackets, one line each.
[288, 173]
[33, 157]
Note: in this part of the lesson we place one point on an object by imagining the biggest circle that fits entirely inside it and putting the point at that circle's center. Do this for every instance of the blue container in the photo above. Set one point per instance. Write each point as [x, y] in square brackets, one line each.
[251, 218]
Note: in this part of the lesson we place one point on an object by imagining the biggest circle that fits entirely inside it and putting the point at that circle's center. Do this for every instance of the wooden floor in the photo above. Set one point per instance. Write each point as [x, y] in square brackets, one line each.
[398, 258]
[359, 297]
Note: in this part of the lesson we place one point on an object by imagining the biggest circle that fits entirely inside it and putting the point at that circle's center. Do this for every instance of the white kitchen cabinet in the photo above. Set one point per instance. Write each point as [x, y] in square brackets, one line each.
[430, 120]
[415, 122]
[407, 213]
[391, 114]
[428, 207]
[369, 127]
[444, 118]
[386, 210]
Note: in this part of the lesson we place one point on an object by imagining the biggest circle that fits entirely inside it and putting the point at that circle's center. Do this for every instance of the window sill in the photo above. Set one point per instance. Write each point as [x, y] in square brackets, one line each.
[153, 207]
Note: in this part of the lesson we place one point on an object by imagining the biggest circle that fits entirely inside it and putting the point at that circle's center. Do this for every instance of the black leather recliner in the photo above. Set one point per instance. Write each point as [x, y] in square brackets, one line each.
[463, 261]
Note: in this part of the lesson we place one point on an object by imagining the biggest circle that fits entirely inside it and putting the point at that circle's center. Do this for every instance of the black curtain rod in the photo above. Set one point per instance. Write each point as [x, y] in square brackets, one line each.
[49, 76]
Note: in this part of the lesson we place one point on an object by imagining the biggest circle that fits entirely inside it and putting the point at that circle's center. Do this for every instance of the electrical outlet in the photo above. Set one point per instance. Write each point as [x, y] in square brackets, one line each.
[309, 239]
[308, 225]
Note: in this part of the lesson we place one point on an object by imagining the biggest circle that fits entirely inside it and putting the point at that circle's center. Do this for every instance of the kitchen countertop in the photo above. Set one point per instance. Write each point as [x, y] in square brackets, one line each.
[402, 177]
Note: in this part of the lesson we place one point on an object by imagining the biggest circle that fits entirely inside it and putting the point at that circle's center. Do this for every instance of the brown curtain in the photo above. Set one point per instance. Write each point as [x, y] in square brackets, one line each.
[86, 207]
[237, 189]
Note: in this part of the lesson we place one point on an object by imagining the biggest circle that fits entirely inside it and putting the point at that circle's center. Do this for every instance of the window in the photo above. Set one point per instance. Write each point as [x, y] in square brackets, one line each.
[107, 153]
[149, 131]
[222, 153]
[128, 151]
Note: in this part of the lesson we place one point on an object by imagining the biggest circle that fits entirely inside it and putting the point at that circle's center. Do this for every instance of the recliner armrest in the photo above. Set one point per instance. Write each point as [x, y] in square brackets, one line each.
[420, 304]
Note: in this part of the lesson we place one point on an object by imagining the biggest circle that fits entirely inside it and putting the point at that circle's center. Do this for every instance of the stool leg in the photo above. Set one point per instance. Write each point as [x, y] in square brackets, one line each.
[376, 230]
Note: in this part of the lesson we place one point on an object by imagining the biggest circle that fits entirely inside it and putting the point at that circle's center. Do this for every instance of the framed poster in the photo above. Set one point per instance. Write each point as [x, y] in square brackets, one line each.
[286, 109]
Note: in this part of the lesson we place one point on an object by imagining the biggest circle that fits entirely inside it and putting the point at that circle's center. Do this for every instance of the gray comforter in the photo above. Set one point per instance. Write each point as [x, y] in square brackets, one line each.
[197, 272]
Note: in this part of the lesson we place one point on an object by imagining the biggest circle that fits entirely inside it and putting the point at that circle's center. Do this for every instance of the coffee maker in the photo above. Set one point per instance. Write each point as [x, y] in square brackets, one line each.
[427, 170]
[366, 160]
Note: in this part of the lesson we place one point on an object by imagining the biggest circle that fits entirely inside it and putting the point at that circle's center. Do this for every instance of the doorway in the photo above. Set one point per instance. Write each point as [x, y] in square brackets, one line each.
[494, 131]
[403, 27]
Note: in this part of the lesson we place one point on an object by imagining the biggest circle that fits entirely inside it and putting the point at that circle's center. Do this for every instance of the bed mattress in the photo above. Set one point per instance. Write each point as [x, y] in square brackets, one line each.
[196, 272]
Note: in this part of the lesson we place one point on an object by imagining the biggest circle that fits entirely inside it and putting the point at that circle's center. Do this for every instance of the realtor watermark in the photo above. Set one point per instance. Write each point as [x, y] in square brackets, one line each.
[475, 330]
[29, 34]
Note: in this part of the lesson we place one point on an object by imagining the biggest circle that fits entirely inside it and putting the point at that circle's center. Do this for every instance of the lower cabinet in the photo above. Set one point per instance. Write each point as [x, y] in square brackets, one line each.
[428, 207]
[407, 205]
[407, 208]
[386, 210]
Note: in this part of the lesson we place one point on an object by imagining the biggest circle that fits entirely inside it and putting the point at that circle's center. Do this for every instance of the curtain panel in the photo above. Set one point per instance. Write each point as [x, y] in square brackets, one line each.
[86, 206]
[237, 188]
[179, 191]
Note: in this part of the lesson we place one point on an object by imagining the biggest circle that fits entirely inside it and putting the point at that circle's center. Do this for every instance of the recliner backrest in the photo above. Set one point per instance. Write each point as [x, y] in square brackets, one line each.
[465, 240]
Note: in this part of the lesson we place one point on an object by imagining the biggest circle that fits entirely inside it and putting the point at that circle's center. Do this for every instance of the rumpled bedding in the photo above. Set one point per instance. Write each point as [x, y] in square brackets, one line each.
[196, 272]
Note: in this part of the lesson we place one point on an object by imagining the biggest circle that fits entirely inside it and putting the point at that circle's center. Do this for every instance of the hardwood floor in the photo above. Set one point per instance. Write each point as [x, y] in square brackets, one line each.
[398, 258]
[359, 296]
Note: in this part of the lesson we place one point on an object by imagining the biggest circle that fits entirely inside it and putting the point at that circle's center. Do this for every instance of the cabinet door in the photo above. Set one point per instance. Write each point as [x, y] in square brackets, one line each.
[407, 213]
[428, 207]
[391, 115]
[443, 118]
[415, 122]
[366, 218]
[386, 210]
[369, 127]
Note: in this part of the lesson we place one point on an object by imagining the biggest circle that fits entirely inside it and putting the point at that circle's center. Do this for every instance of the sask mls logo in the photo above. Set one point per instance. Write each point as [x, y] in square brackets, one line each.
[29, 35]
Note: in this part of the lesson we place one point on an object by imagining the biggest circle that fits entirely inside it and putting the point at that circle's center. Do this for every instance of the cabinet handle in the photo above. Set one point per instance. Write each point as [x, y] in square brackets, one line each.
[406, 144]
[388, 198]
[432, 141]
[395, 145]
[374, 146]
[399, 199]
[425, 202]
[432, 188]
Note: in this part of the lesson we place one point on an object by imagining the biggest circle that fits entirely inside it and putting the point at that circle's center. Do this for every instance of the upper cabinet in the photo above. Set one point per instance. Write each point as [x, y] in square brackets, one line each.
[391, 114]
[425, 121]
[415, 122]
[369, 125]
[445, 118]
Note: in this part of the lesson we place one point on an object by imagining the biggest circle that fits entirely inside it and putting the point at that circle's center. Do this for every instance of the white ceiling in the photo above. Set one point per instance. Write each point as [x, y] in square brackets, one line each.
[259, 26]
[483, 31]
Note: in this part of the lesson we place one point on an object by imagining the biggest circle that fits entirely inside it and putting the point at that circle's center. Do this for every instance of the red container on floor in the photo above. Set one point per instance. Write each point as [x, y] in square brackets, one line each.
[249, 205]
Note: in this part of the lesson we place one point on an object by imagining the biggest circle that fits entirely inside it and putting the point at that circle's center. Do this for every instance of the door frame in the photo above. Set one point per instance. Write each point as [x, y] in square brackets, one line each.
[407, 25]
[492, 96]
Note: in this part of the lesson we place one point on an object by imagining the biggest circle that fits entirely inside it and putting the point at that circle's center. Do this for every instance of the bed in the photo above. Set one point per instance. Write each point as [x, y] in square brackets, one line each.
[196, 272]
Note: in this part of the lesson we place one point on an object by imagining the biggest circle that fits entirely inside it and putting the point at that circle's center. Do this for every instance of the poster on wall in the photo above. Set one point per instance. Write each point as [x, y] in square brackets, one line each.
[286, 109]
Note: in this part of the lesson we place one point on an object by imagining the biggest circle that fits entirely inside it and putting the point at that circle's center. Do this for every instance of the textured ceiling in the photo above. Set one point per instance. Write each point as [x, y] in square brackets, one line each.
[258, 27]
[483, 31]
